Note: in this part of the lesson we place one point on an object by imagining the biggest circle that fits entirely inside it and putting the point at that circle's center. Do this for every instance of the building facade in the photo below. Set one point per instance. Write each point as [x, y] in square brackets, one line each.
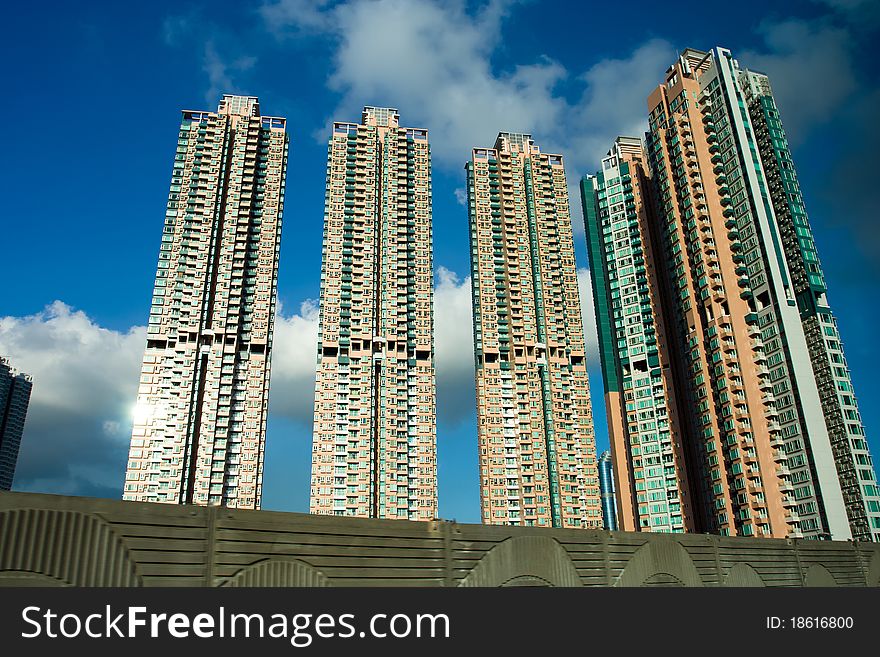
[759, 447]
[374, 444]
[535, 430]
[606, 486]
[15, 394]
[839, 406]
[200, 420]
[641, 409]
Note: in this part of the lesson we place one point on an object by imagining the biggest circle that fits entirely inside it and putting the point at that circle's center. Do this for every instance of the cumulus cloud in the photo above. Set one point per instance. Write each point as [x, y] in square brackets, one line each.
[296, 337]
[453, 347]
[864, 14]
[588, 312]
[294, 354]
[86, 376]
[851, 195]
[85, 381]
[614, 101]
[432, 60]
[810, 64]
[288, 16]
[461, 196]
[214, 48]
[220, 72]
[294, 361]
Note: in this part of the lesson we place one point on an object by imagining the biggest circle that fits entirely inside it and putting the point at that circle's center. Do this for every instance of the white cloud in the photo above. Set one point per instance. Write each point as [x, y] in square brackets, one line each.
[294, 361]
[615, 101]
[86, 376]
[588, 312]
[294, 354]
[461, 196]
[220, 73]
[432, 61]
[453, 347]
[847, 5]
[217, 51]
[176, 28]
[299, 15]
[85, 382]
[811, 70]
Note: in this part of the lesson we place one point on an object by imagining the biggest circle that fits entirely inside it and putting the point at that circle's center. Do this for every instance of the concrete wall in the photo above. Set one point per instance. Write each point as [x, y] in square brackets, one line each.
[58, 540]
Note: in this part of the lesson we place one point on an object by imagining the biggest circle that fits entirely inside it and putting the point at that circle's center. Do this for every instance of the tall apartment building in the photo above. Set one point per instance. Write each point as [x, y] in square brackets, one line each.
[374, 446]
[606, 487]
[839, 406]
[759, 447]
[200, 420]
[15, 393]
[647, 452]
[537, 449]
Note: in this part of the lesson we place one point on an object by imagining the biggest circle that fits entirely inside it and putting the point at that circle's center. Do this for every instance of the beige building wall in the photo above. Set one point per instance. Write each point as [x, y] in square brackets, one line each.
[374, 443]
[736, 439]
[535, 431]
[200, 417]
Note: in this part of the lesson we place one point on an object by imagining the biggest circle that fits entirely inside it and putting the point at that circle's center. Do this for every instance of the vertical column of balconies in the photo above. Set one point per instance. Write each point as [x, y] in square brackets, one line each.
[526, 481]
[421, 397]
[527, 496]
[570, 446]
[764, 328]
[391, 458]
[541, 380]
[330, 437]
[204, 164]
[670, 148]
[601, 232]
[267, 229]
[497, 467]
[517, 458]
[658, 497]
[358, 403]
[846, 431]
[742, 478]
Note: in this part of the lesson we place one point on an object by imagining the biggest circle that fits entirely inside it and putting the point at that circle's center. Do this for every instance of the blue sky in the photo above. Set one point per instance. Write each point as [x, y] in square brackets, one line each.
[92, 105]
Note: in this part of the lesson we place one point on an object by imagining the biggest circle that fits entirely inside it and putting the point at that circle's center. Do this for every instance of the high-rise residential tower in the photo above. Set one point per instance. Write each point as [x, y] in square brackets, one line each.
[641, 410]
[536, 446]
[374, 445]
[851, 455]
[200, 418]
[15, 393]
[606, 486]
[760, 455]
